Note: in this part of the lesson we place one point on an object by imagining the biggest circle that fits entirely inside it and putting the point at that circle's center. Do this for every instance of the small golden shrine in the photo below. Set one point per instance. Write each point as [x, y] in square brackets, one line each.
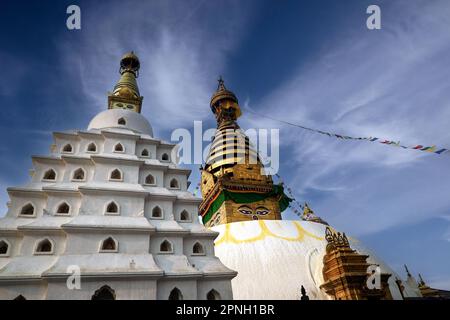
[345, 272]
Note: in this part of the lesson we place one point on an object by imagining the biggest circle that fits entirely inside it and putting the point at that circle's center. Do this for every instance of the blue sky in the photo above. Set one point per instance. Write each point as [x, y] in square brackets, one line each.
[310, 62]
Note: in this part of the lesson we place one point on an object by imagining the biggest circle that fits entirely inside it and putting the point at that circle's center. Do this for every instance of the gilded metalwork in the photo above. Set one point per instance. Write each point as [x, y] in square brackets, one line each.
[309, 215]
[126, 92]
[233, 164]
[345, 272]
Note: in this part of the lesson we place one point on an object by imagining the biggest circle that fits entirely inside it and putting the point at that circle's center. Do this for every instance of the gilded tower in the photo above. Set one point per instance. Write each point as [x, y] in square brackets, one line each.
[233, 182]
[126, 92]
[345, 271]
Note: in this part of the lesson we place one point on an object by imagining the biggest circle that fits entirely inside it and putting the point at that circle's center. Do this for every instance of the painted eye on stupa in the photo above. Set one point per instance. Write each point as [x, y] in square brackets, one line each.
[245, 210]
[262, 211]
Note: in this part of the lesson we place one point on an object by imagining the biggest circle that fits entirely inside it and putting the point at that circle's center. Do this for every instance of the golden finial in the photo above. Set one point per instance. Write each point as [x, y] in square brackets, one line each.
[221, 85]
[126, 92]
[130, 63]
[222, 93]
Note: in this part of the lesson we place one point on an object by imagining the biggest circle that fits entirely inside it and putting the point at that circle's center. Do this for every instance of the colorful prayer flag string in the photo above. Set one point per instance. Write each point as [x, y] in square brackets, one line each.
[430, 149]
[294, 203]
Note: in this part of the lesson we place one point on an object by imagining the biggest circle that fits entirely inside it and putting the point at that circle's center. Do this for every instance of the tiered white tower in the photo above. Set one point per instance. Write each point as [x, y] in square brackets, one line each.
[110, 204]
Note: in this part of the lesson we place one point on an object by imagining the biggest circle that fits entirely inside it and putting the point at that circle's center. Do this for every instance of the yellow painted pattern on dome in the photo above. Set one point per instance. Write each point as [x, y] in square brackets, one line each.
[265, 232]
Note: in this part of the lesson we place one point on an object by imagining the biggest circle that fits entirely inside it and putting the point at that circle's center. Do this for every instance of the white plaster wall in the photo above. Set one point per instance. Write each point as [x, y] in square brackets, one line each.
[223, 287]
[15, 241]
[95, 204]
[41, 167]
[161, 150]
[192, 209]
[109, 119]
[4, 261]
[128, 144]
[72, 166]
[156, 240]
[157, 174]
[165, 205]
[18, 201]
[130, 173]
[125, 289]
[150, 147]
[188, 288]
[282, 253]
[56, 199]
[30, 241]
[188, 245]
[182, 181]
[61, 142]
[88, 242]
[35, 290]
[86, 141]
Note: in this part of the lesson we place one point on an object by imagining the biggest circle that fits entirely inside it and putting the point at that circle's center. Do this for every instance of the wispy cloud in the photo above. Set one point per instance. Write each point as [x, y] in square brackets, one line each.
[182, 46]
[391, 83]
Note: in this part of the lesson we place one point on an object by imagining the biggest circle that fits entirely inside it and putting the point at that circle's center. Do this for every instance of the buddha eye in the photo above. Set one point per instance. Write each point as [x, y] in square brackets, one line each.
[262, 211]
[245, 210]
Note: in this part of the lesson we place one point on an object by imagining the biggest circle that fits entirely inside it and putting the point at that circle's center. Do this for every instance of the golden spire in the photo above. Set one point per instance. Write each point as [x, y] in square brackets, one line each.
[345, 271]
[231, 146]
[224, 103]
[126, 92]
[233, 183]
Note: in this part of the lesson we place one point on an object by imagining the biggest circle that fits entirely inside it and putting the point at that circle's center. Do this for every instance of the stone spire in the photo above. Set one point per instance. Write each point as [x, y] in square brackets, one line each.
[126, 92]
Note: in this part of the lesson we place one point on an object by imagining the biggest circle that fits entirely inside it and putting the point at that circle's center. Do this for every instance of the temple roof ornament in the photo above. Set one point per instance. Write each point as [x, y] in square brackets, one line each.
[345, 271]
[309, 215]
[130, 63]
[224, 103]
[432, 293]
[336, 238]
[407, 271]
[126, 92]
[421, 282]
[222, 93]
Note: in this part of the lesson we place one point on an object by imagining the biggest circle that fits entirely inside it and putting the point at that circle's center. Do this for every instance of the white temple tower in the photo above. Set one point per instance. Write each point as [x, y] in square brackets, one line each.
[111, 202]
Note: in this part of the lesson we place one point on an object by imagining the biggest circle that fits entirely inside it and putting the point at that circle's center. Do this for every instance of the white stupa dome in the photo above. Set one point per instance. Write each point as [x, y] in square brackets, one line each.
[274, 258]
[122, 119]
